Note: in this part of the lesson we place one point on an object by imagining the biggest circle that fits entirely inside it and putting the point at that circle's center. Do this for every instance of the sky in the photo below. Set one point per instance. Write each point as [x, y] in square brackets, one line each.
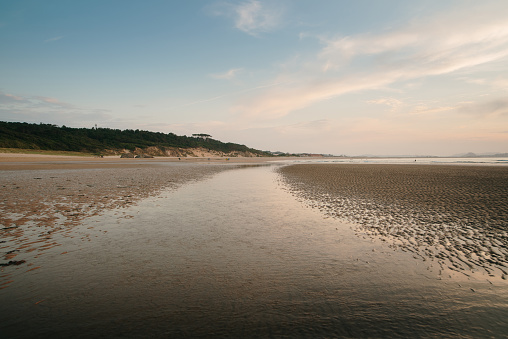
[420, 77]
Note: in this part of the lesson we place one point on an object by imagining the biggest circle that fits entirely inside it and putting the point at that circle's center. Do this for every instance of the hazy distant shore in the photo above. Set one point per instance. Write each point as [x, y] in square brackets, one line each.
[455, 215]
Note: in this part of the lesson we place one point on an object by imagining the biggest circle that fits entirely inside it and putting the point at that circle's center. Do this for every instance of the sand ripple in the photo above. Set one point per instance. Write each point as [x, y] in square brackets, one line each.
[455, 215]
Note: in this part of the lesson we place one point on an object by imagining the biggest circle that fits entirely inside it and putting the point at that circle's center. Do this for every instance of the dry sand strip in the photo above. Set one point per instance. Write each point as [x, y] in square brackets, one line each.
[39, 207]
[455, 215]
[17, 161]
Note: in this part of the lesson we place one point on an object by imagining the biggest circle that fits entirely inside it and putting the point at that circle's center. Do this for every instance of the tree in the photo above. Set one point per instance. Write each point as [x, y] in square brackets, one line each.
[202, 136]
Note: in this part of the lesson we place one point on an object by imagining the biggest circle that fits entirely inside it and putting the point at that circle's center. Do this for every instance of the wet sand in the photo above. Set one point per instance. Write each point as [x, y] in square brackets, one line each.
[42, 201]
[45, 196]
[456, 216]
[228, 256]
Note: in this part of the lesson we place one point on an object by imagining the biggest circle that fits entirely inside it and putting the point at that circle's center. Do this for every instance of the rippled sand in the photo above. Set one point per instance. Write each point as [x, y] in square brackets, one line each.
[455, 215]
[39, 207]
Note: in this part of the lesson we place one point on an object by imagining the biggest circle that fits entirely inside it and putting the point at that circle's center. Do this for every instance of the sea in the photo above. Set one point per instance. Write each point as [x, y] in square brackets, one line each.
[490, 161]
[238, 256]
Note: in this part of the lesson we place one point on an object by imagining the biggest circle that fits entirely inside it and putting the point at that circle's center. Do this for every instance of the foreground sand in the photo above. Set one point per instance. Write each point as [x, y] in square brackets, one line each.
[42, 201]
[45, 196]
[457, 215]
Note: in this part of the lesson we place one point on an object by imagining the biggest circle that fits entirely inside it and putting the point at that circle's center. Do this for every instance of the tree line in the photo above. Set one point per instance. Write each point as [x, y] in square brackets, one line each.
[97, 140]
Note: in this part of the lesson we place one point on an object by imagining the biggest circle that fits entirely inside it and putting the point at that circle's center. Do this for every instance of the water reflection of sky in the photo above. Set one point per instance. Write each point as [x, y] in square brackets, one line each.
[237, 256]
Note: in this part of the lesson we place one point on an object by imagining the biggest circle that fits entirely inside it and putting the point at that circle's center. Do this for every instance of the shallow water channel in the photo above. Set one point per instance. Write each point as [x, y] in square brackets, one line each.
[236, 255]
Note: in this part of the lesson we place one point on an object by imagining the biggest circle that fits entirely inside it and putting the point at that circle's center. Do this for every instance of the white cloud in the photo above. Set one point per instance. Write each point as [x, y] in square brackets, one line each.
[446, 43]
[252, 17]
[487, 109]
[45, 109]
[231, 74]
[391, 102]
[279, 102]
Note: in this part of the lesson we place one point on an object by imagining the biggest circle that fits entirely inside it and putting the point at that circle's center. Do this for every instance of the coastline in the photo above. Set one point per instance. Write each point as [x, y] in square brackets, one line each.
[233, 246]
[20, 161]
[451, 214]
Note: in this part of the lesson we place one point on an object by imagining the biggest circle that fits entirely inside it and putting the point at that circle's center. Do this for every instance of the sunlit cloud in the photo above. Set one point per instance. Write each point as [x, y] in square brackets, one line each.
[432, 47]
[6, 98]
[281, 101]
[393, 103]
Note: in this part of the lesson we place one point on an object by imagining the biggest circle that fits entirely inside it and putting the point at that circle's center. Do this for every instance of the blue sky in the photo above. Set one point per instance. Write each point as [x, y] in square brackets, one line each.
[339, 77]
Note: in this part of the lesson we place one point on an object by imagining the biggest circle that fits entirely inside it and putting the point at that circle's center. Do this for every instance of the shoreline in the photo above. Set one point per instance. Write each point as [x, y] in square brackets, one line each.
[20, 161]
[25, 161]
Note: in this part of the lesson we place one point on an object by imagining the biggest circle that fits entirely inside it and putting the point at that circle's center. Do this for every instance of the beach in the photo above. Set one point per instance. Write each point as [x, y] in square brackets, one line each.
[44, 197]
[17, 161]
[251, 248]
[456, 215]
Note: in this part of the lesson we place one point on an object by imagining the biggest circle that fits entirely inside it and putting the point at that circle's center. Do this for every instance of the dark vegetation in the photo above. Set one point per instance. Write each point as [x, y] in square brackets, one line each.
[103, 140]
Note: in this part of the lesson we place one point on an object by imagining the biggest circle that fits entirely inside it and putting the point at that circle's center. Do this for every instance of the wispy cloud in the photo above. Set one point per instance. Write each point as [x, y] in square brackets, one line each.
[421, 110]
[487, 109]
[231, 74]
[7, 98]
[434, 46]
[54, 39]
[47, 109]
[252, 17]
[232, 94]
[393, 103]
[54, 102]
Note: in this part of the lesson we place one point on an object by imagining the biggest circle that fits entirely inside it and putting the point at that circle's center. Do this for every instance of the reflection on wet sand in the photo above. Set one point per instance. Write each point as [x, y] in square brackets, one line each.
[237, 256]
[456, 215]
[39, 207]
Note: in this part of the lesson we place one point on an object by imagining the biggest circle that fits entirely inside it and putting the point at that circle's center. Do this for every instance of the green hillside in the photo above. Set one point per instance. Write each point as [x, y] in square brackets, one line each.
[105, 140]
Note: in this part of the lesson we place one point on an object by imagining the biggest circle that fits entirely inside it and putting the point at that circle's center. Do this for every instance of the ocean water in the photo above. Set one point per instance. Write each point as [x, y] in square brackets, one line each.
[491, 161]
[235, 256]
